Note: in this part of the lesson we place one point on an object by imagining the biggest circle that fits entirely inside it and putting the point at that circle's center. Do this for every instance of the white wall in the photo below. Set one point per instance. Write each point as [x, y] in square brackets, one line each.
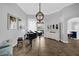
[62, 17]
[69, 12]
[50, 20]
[6, 34]
[77, 29]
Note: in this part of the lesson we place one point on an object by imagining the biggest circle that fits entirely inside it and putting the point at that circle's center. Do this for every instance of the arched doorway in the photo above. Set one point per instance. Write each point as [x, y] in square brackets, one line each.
[73, 31]
[73, 26]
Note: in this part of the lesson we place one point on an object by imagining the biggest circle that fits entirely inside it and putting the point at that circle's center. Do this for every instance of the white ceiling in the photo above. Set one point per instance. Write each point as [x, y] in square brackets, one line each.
[47, 8]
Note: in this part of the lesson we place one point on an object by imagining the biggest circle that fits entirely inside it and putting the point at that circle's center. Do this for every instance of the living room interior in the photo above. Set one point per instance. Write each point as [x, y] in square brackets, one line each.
[39, 29]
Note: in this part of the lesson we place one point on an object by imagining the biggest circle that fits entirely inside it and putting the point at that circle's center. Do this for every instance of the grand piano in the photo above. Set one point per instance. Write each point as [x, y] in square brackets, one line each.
[32, 35]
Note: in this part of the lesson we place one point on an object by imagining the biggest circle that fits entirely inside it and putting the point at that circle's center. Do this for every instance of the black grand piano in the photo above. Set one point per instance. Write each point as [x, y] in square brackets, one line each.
[32, 35]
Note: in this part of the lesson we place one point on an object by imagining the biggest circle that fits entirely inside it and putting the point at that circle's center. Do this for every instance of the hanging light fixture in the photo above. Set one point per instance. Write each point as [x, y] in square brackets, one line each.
[39, 15]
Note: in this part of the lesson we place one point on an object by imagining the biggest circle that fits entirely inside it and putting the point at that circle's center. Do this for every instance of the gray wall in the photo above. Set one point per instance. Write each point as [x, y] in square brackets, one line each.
[62, 17]
[69, 12]
[6, 34]
[50, 20]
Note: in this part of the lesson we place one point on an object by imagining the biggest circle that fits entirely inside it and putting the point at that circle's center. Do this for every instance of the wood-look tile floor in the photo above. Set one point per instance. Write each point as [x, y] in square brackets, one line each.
[47, 47]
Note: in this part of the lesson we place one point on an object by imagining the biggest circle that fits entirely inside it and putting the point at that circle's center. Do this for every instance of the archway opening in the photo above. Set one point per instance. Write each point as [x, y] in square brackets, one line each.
[73, 27]
[73, 31]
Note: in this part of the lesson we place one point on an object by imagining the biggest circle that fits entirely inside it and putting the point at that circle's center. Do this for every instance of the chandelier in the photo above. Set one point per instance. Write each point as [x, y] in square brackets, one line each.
[39, 15]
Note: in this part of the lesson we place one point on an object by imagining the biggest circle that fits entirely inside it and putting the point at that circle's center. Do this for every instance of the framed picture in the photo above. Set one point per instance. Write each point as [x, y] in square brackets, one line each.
[56, 26]
[53, 26]
[19, 24]
[11, 22]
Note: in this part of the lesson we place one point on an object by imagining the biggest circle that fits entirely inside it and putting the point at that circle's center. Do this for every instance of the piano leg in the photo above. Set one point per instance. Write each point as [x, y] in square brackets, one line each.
[30, 42]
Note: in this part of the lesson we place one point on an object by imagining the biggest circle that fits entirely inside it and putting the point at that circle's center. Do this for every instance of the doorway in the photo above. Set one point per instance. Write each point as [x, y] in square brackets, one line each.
[73, 31]
[40, 27]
